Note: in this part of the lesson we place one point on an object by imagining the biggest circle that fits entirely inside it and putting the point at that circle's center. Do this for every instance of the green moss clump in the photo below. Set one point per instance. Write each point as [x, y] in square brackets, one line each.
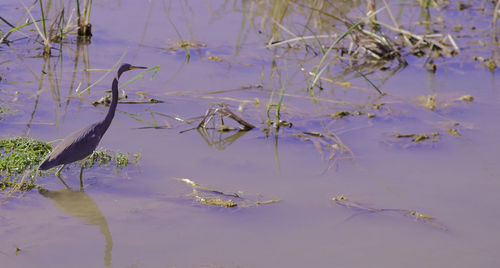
[340, 114]
[220, 202]
[20, 153]
[105, 158]
[22, 186]
[18, 156]
[418, 137]
[453, 131]
[5, 110]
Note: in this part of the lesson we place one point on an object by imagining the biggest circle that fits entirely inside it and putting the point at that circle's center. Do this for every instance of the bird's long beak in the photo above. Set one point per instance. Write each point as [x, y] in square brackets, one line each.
[136, 67]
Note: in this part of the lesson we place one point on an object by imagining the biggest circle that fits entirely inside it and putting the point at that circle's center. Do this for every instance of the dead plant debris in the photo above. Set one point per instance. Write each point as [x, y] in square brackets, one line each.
[143, 99]
[418, 137]
[428, 102]
[221, 110]
[184, 44]
[466, 98]
[361, 208]
[226, 199]
[454, 132]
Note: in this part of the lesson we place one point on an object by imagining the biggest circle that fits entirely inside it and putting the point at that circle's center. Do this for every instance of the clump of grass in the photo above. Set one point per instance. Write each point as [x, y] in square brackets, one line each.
[23, 186]
[106, 158]
[5, 35]
[54, 23]
[5, 110]
[340, 114]
[219, 202]
[453, 132]
[184, 44]
[428, 102]
[276, 122]
[18, 156]
[84, 26]
[47, 45]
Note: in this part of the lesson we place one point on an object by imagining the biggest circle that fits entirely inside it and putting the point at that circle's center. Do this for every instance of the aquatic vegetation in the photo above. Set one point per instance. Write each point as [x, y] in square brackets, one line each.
[260, 63]
[143, 99]
[217, 201]
[214, 58]
[108, 158]
[56, 23]
[20, 154]
[343, 201]
[18, 159]
[467, 98]
[84, 26]
[342, 114]
[418, 137]
[453, 131]
[428, 102]
[213, 197]
[5, 110]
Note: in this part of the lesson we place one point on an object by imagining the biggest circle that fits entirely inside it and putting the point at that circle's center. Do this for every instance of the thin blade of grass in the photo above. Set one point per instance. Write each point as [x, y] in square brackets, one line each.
[278, 106]
[186, 48]
[13, 29]
[7, 22]
[78, 14]
[369, 81]
[87, 12]
[141, 75]
[43, 19]
[34, 22]
[106, 74]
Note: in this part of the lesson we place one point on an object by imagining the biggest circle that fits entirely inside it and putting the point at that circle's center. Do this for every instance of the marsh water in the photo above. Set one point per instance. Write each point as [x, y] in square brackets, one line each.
[143, 216]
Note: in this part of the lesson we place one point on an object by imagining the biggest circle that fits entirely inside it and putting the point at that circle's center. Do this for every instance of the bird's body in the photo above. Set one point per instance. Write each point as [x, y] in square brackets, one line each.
[76, 146]
[82, 143]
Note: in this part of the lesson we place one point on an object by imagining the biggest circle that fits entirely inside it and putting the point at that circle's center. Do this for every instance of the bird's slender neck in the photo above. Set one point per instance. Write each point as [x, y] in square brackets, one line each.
[112, 107]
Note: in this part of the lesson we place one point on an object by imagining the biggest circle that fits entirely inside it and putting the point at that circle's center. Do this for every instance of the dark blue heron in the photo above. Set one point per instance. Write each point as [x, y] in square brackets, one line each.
[82, 143]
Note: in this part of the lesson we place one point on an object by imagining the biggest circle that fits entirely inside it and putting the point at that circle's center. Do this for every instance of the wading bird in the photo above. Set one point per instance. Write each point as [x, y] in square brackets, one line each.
[82, 143]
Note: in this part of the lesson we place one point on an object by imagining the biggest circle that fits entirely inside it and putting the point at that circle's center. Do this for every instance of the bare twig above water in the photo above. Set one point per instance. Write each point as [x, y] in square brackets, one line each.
[223, 111]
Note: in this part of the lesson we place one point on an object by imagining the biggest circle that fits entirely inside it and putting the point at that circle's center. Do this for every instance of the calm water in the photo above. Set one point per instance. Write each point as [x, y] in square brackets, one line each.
[143, 217]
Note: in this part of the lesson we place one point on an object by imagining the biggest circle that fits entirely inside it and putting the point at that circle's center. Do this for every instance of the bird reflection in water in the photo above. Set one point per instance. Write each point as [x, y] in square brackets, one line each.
[80, 205]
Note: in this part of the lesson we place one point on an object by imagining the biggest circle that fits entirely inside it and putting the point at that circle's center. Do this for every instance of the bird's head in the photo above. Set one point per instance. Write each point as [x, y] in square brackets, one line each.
[127, 67]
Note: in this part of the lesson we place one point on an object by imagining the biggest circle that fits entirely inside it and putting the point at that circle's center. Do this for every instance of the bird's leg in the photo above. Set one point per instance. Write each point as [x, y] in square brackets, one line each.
[58, 172]
[81, 180]
[58, 175]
